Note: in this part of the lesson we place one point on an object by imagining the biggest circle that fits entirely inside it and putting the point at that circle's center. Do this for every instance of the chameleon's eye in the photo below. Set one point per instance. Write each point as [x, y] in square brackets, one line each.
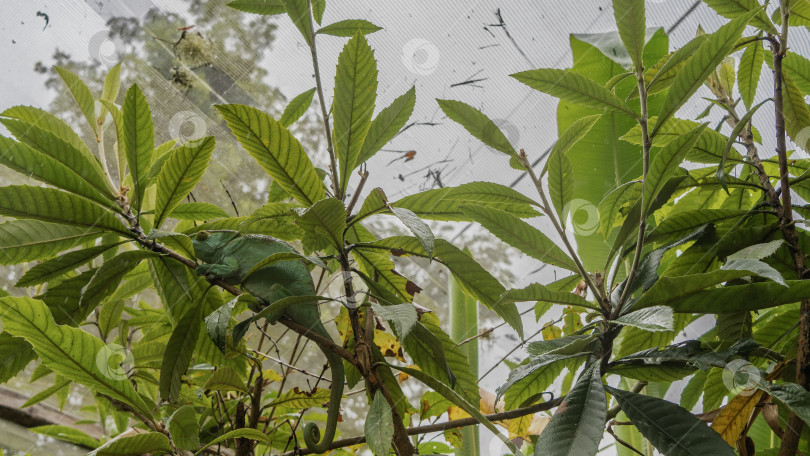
[202, 235]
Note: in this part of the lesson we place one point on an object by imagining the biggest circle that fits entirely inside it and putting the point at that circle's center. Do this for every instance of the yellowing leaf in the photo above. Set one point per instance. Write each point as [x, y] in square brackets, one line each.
[389, 345]
[731, 420]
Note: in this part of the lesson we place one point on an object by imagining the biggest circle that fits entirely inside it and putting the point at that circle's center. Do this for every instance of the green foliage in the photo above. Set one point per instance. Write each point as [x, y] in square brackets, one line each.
[355, 94]
[579, 429]
[379, 426]
[120, 310]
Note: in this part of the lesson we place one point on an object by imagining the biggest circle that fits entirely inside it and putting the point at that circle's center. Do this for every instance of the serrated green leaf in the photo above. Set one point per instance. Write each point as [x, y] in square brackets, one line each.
[375, 203]
[109, 316]
[355, 94]
[81, 93]
[217, 322]
[567, 345]
[577, 426]
[402, 316]
[387, 124]
[174, 284]
[661, 373]
[472, 278]
[68, 351]
[379, 427]
[795, 397]
[138, 141]
[432, 349]
[54, 145]
[67, 434]
[749, 70]
[62, 264]
[184, 429]
[708, 149]
[752, 296]
[298, 11]
[560, 178]
[15, 354]
[180, 174]
[630, 19]
[56, 206]
[34, 164]
[263, 7]
[661, 75]
[323, 224]
[318, 7]
[538, 292]
[418, 227]
[349, 27]
[520, 235]
[704, 61]
[798, 67]
[225, 379]
[444, 203]
[797, 114]
[735, 8]
[197, 211]
[276, 150]
[45, 121]
[533, 376]
[665, 425]
[560, 182]
[178, 354]
[301, 399]
[574, 88]
[112, 85]
[58, 384]
[757, 267]
[613, 208]
[681, 223]
[134, 444]
[665, 163]
[799, 14]
[387, 283]
[656, 318]
[478, 125]
[107, 277]
[296, 108]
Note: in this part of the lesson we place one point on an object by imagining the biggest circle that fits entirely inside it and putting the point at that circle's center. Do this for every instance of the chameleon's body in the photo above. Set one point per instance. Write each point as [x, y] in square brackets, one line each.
[229, 255]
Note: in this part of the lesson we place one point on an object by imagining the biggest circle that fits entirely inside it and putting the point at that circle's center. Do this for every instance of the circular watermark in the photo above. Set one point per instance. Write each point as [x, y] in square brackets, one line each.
[420, 56]
[581, 216]
[111, 361]
[498, 447]
[105, 49]
[803, 139]
[741, 377]
[187, 126]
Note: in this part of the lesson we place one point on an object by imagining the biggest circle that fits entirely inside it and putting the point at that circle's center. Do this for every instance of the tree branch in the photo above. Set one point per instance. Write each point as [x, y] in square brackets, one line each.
[439, 427]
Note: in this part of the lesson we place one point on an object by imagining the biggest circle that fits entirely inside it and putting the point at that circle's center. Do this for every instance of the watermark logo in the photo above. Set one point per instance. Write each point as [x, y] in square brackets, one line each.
[113, 361]
[105, 49]
[581, 216]
[497, 447]
[187, 126]
[741, 377]
[420, 56]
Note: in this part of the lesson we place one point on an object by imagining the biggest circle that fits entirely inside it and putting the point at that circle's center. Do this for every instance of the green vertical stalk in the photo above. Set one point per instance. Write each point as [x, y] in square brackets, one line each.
[463, 325]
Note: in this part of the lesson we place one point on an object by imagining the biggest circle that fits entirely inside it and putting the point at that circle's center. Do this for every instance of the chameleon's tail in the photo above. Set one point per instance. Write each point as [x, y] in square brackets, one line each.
[311, 432]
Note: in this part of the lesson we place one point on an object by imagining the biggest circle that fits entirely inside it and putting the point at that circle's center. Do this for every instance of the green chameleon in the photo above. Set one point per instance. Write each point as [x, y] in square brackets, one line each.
[229, 255]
